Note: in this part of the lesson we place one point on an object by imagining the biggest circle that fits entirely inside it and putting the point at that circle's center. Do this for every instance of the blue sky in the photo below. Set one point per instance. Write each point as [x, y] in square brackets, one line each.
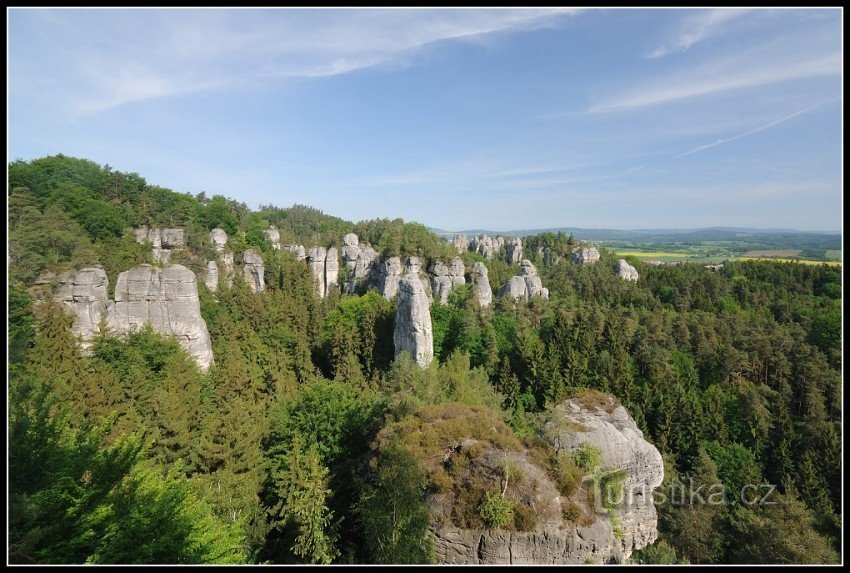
[498, 119]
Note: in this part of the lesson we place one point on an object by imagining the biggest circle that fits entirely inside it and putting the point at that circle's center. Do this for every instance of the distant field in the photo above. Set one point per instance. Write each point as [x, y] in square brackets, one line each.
[801, 261]
[776, 253]
[660, 255]
[833, 255]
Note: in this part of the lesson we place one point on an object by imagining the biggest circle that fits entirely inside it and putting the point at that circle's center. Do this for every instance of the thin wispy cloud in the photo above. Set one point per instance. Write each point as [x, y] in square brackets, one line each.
[697, 28]
[755, 130]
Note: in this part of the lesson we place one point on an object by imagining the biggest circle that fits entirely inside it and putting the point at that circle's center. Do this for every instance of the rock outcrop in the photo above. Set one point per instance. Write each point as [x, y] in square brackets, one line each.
[316, 259]
[444, 278]
[364, 266]
[298, 250]
[331, 271]
[211, 279]
[350, 250]
[484, 245]
[162, 240]
[84, 294]
[481, 284]
[227, 261]
[652, 263]
[389, 277]
[254, 271]
[525, 285]
[513, 250]
[548, 256]
[626, 271]
[461, 243]
[274, 237]
[413, 331]
[585, 255]
[218, 238]
[166, 299]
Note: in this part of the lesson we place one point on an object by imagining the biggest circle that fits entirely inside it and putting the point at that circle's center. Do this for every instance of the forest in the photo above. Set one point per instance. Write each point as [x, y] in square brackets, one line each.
[129, 454]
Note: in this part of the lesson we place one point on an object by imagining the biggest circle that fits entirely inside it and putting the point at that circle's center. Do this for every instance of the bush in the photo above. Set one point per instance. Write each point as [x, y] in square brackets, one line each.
[588, 457]
[525, 518]
[497, 511]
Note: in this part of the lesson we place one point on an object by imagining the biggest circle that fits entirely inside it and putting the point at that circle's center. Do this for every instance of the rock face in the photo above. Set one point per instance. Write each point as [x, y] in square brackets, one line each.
[300, 253]
[461, 243]
[163, 240]
[513, 249]
[652, 263]
[218, 238]
[548, 256]
[389, 277]
[413, 331]
[211, 280]
[554, 539]
[364, 266]
[331, 271]
[350, 250]
[525, 285]
[626, 271]
[274, 237]
[227, 261]
[316, 259]
[610, 428]
[585, 255]
[167, 299]
[254, 271]
[444, 278]
[484, 245]
[84, 294]
[481, 284]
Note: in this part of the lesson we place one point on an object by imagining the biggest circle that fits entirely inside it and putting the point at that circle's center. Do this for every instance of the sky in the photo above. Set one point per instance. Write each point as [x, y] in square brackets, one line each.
[500, 119]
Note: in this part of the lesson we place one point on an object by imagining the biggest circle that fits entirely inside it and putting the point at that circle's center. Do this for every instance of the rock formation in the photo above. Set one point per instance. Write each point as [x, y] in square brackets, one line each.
[316, 259]
[84, 294]
[513, 250]
[548, 256]
[626, 271]
[484, 245]
[444, 278]
[162, 240]
[413, 331]
[389, 276]
[274, 237]
[481, 284]
[525, 285]
[364, 266]
[218, 238]
[254, 271]
[298, 250]
[461, 243]
[585, 255]
[652, 263]
[227, 261]
[331, 271]
[167, 299]
[211, 280]
[350, 250]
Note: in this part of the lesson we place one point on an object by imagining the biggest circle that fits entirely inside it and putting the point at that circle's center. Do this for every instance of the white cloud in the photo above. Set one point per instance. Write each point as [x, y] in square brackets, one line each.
[698, 27]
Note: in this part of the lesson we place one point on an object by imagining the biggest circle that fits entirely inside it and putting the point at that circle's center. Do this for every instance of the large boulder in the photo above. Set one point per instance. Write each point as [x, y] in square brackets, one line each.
[481, 284]
[274, 237]
[514, 288]
[166, 299]
[444, 278]
[461, 243]
[218, 238]
[84, 294]
[331, 271]
[298, 250]
[513, 250]
[364, 266]
[316, 259]
[211, 279]
[626, 271]
[163, 241]
[389, 277]
[525, 285]
[585, 255]
[253, 271]
[350, 250]
[413, 330]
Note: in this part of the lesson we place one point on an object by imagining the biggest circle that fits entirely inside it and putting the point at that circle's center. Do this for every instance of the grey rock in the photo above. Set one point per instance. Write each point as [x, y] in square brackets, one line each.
[331, 271]
[227, 261]
[274, 237]
[514, 288]
[525, 285]
[585, 255]
[461, 243]
[254, 271]
[163, 241]
[211, 279]
[173, 238]
[413, 331]
[350, 250]
[481, 284]
[513, 250]
[626, 271]
[364, 266]
[652, 263]
[218, 238]
[300, 252]
[84, 294]
[316, 259]
[167, 299]
[389, 277]
[444, 278]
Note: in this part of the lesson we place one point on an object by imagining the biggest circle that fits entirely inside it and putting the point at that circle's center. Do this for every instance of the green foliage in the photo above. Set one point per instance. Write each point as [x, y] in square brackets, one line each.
[658, 553]
[496, 510]
[588, 457]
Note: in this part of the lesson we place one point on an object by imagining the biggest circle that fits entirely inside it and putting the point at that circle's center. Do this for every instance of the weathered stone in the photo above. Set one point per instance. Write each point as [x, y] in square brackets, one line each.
[525, 285]
[585, 255]
[461, 243]
[652, 263]
[390, 274]
[481, 284]
[626, 271]
[227, 261]
[513, 250]
[413, 331]
[316, 259]
[211, 280]
[364, 266]
[84, 294]
[298, 250]
[274, 237]
[514, 288]
[254, 271]
[331, 271]
[350, 250]
[167, 299]
[163, 241]
[218, 238]
[173, 238]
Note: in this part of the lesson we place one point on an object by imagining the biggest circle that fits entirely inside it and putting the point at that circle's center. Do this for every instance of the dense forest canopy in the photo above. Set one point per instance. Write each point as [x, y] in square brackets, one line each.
[129, 454]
